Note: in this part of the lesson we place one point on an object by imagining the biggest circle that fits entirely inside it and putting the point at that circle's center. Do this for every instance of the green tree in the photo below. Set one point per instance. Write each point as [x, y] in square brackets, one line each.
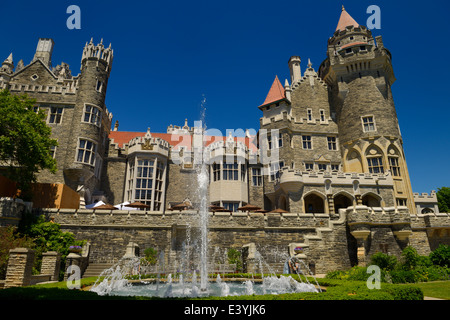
[443, 197]
[25, 141]
[10, 239]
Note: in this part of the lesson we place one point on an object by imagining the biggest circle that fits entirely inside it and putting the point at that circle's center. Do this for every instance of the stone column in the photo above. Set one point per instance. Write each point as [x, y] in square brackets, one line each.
[72, 259]
[361, 237]
[20, 265]
[51, 261]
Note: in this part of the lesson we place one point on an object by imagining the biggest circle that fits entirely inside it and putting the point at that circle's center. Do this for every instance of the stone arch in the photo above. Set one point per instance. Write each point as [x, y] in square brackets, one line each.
[427, 210]
[342, 200]
[371, 199]
[354, 161]
[375, 159]
[283, 203]
[314, 202]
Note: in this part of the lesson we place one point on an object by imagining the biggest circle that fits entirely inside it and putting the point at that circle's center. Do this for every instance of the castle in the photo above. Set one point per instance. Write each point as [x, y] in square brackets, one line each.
[329, 154]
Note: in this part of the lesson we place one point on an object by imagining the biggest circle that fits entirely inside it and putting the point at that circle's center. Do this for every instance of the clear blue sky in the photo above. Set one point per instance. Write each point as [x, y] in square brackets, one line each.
[168, 54]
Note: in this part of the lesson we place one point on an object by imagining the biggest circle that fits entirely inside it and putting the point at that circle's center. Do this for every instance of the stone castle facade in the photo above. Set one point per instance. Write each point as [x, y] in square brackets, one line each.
[329, 152]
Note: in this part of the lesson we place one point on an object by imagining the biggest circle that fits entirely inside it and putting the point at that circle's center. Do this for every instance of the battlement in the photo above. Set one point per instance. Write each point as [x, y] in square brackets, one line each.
[99, 52]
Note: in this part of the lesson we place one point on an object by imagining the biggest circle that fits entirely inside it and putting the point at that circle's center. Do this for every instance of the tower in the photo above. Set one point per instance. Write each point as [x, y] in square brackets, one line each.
[7, 69]
[91, 121]
[359, 73]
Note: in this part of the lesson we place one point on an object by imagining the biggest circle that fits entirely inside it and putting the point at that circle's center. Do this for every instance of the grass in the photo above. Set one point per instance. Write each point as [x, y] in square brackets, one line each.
[435, 289]
[335, 290]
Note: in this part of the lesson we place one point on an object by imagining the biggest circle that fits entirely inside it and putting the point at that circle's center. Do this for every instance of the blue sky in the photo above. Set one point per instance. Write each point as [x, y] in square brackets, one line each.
[169, 54]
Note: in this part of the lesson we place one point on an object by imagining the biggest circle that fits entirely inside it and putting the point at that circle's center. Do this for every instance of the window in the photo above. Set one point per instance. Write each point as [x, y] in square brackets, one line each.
[145, 182]
[348, 50]
[86, 151]
[368, 124]
[280, 140]
[232, 206]
[307, 142]
[53, 151]
[322, 115]
[375, 165]
[92, 115]
[401, 202]
[243, 172]
[230, 171]
[256, 177]
[55, 115]
[334, 167]
[395, 168]
[275, 170]
[331, 143]
[322, 166]
[309, 114]
[362, 48]
[99, 86]
[216, 171]
[309, 166]
[269, 141]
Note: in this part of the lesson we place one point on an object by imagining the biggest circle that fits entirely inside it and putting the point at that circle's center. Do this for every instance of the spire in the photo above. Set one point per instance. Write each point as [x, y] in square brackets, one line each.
[276, 92]
[346, 20]
[9, 59]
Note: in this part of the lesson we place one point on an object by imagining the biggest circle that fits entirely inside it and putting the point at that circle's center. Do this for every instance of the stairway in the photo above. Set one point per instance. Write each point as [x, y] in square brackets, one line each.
[95, 269]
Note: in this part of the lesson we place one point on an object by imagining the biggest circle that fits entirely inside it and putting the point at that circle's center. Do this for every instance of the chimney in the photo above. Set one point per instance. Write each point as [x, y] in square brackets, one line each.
[294, 66]
[44, 51]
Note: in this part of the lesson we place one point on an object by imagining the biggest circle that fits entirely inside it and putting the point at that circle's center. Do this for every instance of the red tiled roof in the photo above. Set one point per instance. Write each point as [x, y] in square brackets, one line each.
[353, 44]
[346, 20]
[123, 137]
[276, 92]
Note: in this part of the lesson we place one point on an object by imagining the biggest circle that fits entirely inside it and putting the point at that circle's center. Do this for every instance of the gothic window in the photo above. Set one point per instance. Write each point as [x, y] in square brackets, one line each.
[307, 142]
[395, 168]
[332, 143]
[55, 115]
[86, 151]
[92, 114]
[256, 177]
[368, 123]
[375, 165]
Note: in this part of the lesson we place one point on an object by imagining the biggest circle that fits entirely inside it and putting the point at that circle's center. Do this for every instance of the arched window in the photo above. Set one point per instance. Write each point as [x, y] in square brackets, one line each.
[314, 203]
[342, 201]
[375, 160]
[370, 200]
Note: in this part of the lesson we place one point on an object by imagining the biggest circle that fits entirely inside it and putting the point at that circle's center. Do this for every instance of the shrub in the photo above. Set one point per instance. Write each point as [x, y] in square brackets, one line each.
[441, 256]
[410, 258]
[151, 255]
[384, 261]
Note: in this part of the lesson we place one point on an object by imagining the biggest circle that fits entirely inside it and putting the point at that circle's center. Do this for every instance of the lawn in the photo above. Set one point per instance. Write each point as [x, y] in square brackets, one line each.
[435, 289]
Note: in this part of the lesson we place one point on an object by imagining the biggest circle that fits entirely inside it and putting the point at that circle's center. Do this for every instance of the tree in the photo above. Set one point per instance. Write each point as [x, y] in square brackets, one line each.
[25, 141]
[443, 197]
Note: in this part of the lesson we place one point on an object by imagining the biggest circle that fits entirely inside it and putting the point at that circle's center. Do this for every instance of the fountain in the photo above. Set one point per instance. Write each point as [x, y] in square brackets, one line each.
[185, 284]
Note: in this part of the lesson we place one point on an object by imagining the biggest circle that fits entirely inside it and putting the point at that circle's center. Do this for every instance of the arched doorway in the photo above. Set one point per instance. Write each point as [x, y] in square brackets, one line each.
[371, 200]
[314, 203]
[342, 201]
[282, 203]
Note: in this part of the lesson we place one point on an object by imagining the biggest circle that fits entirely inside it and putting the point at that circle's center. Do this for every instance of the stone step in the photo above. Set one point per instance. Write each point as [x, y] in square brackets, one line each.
[95, 269]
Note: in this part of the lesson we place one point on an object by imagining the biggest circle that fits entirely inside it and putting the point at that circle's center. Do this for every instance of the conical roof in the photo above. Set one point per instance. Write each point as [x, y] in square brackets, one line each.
[346, 20]
[276, 92]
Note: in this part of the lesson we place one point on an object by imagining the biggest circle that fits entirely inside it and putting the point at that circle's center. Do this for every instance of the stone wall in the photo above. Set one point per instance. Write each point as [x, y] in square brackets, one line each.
[330, 241]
